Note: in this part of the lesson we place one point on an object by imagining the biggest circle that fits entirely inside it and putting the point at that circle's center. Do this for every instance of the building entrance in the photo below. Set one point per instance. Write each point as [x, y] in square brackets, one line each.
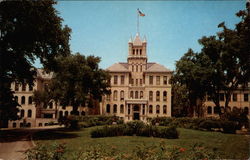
[136, 112]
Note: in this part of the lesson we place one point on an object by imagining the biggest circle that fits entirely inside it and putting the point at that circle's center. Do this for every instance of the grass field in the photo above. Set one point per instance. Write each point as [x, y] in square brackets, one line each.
[231, 146]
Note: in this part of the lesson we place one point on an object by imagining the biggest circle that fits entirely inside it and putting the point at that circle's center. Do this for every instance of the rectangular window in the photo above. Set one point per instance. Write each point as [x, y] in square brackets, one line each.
[122, 79]
[234, 97]
[246, 97]
[165, 80]
[221, 96]
[115, 79]
[136, 82]
[158, 80]
[151, 79]
[141, 82]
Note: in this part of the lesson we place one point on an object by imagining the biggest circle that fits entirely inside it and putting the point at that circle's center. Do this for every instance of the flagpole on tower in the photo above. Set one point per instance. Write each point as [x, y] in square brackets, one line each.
[139, 13]
[138, 21]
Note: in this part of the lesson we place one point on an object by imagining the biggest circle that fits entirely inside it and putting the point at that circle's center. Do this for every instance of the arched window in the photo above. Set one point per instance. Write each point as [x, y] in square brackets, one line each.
[246, 110]
[209, 110]
[30, 88]
[143, 109]
[150, 95]
[14, 125]
[165, 96]
[115, 108]
[51, 105]
[30, 100]
[141, 94]
[157, 95]
[60, 114]
[108, 108]
[136, 68]
[157, 109]
[136, 94]
[122, 95]
[136, 51]
[216, 110]
[29, 113]
[66, 113]
[121, 108]
[22, 113]
[141, 68]
[164, 109]
[132, 68]
[150, 109]
[108, 97]
[16, 99]
[16, 86]
[24, 87]
[133, 51]
[131, 94]
[23, 100]
[115, 96]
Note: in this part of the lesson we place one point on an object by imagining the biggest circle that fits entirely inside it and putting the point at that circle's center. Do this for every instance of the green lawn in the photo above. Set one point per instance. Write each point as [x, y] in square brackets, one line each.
[231, 145]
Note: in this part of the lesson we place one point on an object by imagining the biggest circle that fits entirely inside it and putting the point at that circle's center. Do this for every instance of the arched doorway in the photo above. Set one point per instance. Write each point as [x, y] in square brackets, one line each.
[136, 111]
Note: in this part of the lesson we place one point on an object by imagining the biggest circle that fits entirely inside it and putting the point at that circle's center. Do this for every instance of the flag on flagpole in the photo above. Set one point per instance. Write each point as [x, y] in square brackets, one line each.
[140, 13]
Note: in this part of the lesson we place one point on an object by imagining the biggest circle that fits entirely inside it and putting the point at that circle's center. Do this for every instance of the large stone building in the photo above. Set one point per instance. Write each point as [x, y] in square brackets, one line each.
[139, 89]
[31, 114]
[239, 100]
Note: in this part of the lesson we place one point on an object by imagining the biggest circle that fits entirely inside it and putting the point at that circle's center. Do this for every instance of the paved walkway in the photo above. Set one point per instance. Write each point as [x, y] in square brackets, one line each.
[13, 143]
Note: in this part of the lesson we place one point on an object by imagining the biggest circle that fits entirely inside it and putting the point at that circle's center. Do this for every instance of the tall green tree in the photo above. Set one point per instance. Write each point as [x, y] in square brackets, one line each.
[191, 74]
[228, 54]
[78, 80]
[29, 30]
[222, 65]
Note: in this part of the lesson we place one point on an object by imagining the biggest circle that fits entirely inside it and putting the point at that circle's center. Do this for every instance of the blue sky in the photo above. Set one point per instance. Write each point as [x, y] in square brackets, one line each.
[103, 28]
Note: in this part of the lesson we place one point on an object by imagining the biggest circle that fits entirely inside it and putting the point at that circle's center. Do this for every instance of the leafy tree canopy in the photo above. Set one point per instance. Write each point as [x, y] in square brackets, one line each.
[221, 66]
[29, 30]
[78, 81]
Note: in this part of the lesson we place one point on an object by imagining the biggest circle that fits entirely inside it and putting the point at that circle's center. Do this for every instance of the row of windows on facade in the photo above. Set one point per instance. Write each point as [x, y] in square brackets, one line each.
[234, 97]
[141, 81]
[137, 67]
[150, 109]
[138, 95]
[137, 52]
[29, 113]
[66, 113]
[221, 109]
[23, 101]
[23, 87]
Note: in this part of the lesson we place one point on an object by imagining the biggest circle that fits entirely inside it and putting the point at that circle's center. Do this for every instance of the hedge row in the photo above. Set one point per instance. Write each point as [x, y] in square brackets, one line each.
[196, 123]
[137, 128]
[89, 121]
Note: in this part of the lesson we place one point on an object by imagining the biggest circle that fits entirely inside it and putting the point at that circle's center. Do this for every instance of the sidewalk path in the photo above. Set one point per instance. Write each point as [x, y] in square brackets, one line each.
[13, 143]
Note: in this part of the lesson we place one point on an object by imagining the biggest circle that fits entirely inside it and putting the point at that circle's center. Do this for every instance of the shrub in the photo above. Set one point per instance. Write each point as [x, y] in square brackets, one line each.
[135, 126]
[209, 124]
[89, 121]
[168, 132]
[148, 131]
[229, 127]
[47, 152]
